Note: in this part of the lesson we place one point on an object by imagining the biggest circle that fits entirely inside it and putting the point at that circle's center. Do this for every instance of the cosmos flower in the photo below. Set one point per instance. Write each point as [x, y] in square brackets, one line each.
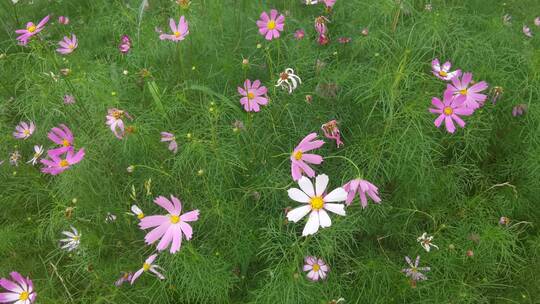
[110, 217]
[169, 227]
[148, 266]
[443, 72]
[504, 221]
[67, 45]
[425, 241]
[323, 40]
[69, 99]
[519, 110]
[31, 30]
[320, 25]
[124, 278]
[300, 159]
[537, 21]
[331, 131]
[449, 109]
[179, 31]
[299, 34]
[169, 137]
[58, 164]
[20, 290]
[62, 136]
[316, 268]
[329, 3]
[414, 272]
[271, 26]
[38, 151]
[316, 202]
[14, 158]
[63, 20]
[527, 31]
[288, 80]
[311, 2]
[496, 94]
[125, 44]
[344, 40]
[254, 95]
[362, 187]
[24, 130]
[474, 99]
[137, 211]
[115, 121]
[72, 241]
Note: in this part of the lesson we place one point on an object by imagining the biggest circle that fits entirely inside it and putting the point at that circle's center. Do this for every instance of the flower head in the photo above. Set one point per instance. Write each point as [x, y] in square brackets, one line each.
[537, 21]
[24, 130]
[527, 31]
[125, 44]
[254, 95]
[67, 45]
[31, 30]
[331, 131]
[443, 72]
[124, 278]
[362, 187]
[271, 26]
[365, 31]
[115, 121]
[14, 158]
[38, 151]
[316, 202]
[72, 241]
[69, 99]
[329, 3]
[169, 137]
[62, 136]
[299, 34]
[59, 163]
[137, 211]
[344, 40]
[169, 228]
[300, 159]
[414, 272]
[449, 109]
[519, 110]
[504, 221]
[63, 20]
[496, 94]
[474, 99]
[320, 25]
[19, 290]
[179, 31]
[288, 80]
[316, 268]
[425, 241]
[148, 266]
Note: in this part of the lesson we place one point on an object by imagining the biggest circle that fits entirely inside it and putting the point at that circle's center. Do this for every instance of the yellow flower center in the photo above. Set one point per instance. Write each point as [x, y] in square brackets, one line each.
[271, 25]
[65, 143]
[443, 74]
[316, 267]
[31, 28]
[463, 92]
[316, 202]
[448, 111]
[117, 114]
[23, 296]
[414, 269]
[250, 95]
[76, 238]
[26, 132]
[140, 216]
[175, 219]
[146, 266]
[64, 163]
[176, 34]
[71, 46]
[298, 155]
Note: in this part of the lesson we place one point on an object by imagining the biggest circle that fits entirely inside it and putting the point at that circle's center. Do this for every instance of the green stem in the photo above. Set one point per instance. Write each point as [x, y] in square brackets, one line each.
[349, 160]
[154, 169]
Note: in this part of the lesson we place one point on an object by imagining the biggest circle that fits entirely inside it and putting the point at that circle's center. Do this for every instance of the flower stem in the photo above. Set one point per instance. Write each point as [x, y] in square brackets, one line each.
[349, 160]
[154, 169]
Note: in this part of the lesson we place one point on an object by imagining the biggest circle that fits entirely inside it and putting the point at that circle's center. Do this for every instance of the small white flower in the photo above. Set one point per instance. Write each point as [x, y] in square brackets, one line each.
[14, 1]
[110, 217]
[288, 80]
[316, 202]
[137, 211]
[311, 2]
[425, 241]
[72, 241]
[125, 72]
[38, 152]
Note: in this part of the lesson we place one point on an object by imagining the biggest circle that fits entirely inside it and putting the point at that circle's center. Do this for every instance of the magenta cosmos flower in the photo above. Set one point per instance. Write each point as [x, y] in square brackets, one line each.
[300, 159]
[362, 187]
[125, 44]
[67, 45]
[20, 290]
[316, 268]
[179, 32]
[31, 30]
[474, 99]
[24, 130]
[62, 136]
[254, 95]
[449, 109]
[148, 265]
[115, 121]
[60, 163]
[169, 137]
[443, 72]
[270, 26]
[169, 228]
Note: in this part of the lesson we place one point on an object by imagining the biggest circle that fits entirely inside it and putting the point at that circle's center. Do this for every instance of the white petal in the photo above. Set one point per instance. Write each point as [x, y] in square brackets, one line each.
[335, 208]
[312, 225]
[298, 213]
[297, 195]
[337, 195]
[306, 186]
[324, 219]
[320, 184]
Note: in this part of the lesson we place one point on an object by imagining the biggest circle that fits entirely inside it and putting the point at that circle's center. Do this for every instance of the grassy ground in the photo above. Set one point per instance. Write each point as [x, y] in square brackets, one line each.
[378, 87]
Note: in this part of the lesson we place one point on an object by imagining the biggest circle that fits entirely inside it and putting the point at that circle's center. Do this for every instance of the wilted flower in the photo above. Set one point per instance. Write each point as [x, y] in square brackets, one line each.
[449, 109]
[443, 72]
[309, 99]
[72, 241]
[115, 121]
[331, 131]
[469, 253]
[63, 20]
[320, 25]
[19, 290]
[300, 159]
[14, 158]
[148, 266]
[169, 137]
[254, 95]
[414, 272]
[238, 125]
[362, 187]
[24, 130]
[65, 71]
[527, 31]
[184, 4]
[69, 99]
[425, 241]
[38, 151]
[474, 99]
[299, 34]
[67, 45]
[496, 93]
[504, 220]
[271, 26]
[316, 268]
[125, 44]
[519, 110]
[31, 30]
[179, 32]
[507, 19]
[124, 278]
[288, 80]
[316, 202]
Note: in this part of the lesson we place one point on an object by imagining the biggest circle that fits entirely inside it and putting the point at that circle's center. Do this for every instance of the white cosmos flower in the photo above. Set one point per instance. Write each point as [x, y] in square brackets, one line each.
[288, 80]
[38, 152]
[137, 211]
[72, 241]
[316, 202]
[311, 2]
[425, 241]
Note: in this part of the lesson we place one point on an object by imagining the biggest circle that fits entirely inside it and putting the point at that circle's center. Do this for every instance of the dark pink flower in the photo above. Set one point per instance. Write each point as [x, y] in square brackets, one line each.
[449, 109]
[125, 44]
[63, 20]
[474, 99]
[31, 30]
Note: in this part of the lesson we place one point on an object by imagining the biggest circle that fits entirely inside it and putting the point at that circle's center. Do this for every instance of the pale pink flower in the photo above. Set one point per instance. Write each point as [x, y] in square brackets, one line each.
[300, 159]
[148, 266]
[31, 30]
[19, 290]
[169, 137]
[443, 72]
[59, 163]
[69, 99]
[474, 99]
[344, 40]
[527, 31]
[67, 45]
[316, 268]
[179, 31]
[329, 3]
[331, 131]
[63, 20]
[271, 26]
[169, 228]
[449, 109]
[254, 95]
[24, 130]
[537, 21]
[415, 272]
[115, 121]
[362, 187]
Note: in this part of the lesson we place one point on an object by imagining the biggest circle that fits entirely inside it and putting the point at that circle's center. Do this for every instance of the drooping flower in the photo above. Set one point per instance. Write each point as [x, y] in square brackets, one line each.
[72, 241]
[67, 45]
[271, 26]
[316, 268]
[169, 137]
[320, 25]
[425, 241]
[60, 163]
[137, 211]
[62, 136]
[474, 99]
[69, 99]
[496, 94]
[288, 80]
[31, 30]
[14, 158]
[362, 187]
[148, 266]
[63, 20]
[115, 121]
[169, 227]
[443, 72]
[125, 44]
[316, 202]
[323, 39]
[24, 130]
[254, 95]
[414, 272]
[300, 159]
[527, 31]
[124, 278]
[519, 110]
[331, 131]
[299, 34]
[449, 109]
[38, 151]
[179, 31]
[19, 290]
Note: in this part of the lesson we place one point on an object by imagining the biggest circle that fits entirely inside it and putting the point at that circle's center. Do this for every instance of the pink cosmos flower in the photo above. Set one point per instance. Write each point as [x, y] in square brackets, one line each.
[67, 46]
[254, 95]
[20, 290]
[148, 266]
[63, 20]
[125, 44]
[69, 99]
[270, 26]
[362, 187]
[537, 21]
[527, 31]
[474, 99]
[169, 228]
[443, 72]
[449, 109]
[169, 137]
[179, 32]
[316, 268]
[299, 34]
[31, 30]
[300, 160]
[320, 25]
[24, 130]
[115, 121]
[58, 164]
[329, 3]
[62, 136]
[124, 278]
[331, 131]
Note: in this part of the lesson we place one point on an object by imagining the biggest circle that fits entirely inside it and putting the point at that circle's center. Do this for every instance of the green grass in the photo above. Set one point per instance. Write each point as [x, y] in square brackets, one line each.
[242, 250]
